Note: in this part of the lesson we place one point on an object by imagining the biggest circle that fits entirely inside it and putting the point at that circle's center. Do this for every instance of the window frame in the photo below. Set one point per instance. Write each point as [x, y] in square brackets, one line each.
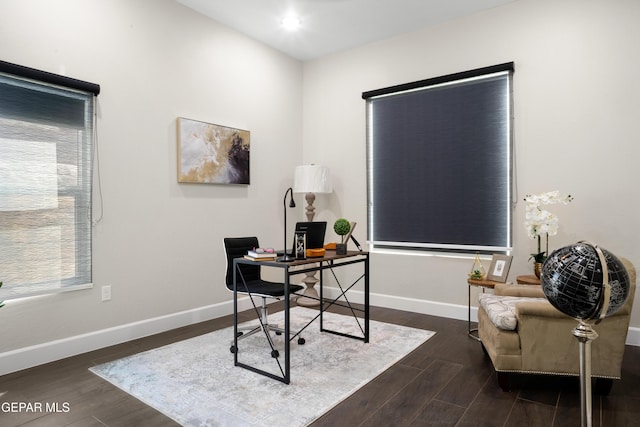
[68, 90]
[452, 80]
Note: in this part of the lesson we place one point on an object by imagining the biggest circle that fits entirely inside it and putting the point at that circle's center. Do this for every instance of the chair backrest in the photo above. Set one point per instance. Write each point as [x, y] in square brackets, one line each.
[236, 247]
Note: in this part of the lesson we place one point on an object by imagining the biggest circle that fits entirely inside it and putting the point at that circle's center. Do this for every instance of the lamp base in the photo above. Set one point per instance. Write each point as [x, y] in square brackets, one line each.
[310, 296]
[286, 258]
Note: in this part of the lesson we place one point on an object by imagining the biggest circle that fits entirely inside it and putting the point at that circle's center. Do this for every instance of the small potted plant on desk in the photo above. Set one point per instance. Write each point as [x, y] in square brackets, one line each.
[342, 228]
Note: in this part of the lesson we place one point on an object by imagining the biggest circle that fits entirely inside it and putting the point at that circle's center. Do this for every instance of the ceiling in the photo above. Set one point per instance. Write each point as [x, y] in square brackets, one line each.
[330, 26]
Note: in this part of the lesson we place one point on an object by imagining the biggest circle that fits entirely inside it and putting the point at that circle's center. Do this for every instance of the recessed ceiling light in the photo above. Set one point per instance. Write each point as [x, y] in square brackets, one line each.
[290, 22]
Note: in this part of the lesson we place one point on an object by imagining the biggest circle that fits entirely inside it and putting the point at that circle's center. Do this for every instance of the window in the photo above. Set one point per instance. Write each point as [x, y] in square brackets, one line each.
[439, 162]
[46, 140]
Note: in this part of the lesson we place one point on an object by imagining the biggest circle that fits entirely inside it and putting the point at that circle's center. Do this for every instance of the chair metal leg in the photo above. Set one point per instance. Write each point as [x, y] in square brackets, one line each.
[264, 326]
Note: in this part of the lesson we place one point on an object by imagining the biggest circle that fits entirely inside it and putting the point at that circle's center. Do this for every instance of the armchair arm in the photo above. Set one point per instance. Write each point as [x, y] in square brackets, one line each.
[543, 331]
[531, 291]
[538, 309]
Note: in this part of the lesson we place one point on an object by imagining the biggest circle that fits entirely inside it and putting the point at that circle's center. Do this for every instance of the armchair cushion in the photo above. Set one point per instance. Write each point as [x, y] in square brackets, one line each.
[502, 309]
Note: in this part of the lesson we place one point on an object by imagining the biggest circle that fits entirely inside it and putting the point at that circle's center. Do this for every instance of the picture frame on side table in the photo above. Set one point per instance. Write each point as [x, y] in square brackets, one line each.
[499, 269]
[212, 154]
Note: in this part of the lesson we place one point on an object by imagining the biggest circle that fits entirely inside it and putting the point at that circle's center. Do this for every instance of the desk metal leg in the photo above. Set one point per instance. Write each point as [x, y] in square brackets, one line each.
[235, 316]
[347, 304]
[287, 344]
[366, 299]
[285, 372]
[321, 296]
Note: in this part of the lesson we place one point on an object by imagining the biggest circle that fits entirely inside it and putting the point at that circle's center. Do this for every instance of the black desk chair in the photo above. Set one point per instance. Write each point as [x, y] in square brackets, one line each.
[249, 282]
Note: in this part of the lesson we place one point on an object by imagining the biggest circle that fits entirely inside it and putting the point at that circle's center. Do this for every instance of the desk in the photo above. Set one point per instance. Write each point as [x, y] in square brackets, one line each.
[329, 261]
[482, 283]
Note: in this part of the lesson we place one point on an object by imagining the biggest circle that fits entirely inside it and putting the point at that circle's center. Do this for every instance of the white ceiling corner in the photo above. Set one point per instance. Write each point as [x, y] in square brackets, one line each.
[330, 26]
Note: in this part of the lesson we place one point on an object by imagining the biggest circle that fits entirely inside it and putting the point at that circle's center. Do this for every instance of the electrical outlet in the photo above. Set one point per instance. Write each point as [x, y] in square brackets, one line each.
[106, 293]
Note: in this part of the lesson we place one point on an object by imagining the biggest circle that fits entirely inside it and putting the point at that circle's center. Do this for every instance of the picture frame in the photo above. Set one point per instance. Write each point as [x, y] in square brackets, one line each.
[300, 245]
[499, 269]
[212, 154]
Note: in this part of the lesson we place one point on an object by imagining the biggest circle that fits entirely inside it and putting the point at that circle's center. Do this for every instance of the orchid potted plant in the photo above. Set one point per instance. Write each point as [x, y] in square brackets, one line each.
[540, 222]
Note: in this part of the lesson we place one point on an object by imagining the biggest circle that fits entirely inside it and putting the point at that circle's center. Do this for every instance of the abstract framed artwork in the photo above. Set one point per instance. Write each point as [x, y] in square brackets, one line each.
[499, 268]
[212, 154]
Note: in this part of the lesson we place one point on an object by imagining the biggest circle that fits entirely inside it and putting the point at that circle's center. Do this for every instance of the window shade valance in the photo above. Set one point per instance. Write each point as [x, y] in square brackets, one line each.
[507, 66]
[47, 77]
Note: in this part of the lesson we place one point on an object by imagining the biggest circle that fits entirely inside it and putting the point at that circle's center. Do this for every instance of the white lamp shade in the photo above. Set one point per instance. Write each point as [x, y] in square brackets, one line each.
[312, 179]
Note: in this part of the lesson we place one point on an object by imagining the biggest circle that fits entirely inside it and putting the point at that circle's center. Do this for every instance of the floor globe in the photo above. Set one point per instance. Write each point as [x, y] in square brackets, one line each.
[572, 280]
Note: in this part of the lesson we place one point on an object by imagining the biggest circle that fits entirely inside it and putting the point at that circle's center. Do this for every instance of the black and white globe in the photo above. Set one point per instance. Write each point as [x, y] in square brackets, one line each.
[572, 281]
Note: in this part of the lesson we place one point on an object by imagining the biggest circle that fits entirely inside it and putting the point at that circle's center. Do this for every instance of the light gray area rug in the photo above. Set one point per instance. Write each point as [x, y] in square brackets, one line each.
[195, 383]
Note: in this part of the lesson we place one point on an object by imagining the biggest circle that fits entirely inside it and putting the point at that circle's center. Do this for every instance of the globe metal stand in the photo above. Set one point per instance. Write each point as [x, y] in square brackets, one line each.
[576, 258]
[585, 334]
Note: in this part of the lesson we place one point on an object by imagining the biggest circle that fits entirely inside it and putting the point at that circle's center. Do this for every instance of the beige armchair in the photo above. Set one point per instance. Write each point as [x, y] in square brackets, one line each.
[543, 343]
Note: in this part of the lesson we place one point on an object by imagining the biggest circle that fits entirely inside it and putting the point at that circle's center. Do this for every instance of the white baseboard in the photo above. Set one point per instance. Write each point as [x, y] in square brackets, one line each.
[450, 311]
[28, 357]
[633, 336]
[23, 358]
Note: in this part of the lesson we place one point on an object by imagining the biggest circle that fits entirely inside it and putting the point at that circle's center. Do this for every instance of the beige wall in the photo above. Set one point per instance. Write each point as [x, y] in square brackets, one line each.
[159, 243]
[576, 126]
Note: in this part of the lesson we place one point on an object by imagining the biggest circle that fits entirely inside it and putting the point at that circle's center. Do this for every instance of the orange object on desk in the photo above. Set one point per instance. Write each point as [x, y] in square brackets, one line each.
[330, 246]
[314, 253]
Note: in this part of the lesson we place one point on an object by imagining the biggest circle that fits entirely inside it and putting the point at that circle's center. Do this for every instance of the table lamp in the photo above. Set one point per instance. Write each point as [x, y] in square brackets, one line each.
[311, 179]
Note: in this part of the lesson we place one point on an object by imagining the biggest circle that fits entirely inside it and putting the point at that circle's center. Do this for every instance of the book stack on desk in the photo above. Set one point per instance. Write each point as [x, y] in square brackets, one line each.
[261, 254]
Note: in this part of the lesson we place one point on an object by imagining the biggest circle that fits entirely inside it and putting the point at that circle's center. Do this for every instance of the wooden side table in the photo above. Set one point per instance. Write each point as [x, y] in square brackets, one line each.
[529, 279]
[490, 284]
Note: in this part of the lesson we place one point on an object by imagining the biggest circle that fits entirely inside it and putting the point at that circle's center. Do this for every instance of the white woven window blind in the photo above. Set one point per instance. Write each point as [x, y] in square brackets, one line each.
[46, 140]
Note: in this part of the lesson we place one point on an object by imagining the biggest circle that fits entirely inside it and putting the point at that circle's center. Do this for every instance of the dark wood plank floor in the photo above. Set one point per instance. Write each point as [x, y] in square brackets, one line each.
[448, 381]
